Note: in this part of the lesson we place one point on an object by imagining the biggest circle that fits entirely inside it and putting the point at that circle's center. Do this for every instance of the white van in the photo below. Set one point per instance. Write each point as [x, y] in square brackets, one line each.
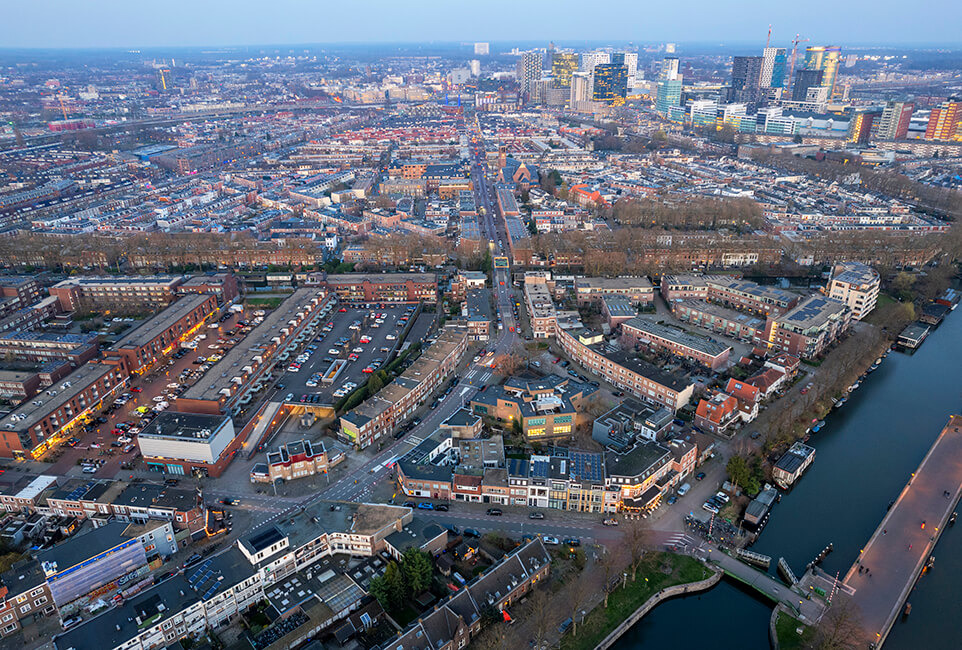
[683, 490]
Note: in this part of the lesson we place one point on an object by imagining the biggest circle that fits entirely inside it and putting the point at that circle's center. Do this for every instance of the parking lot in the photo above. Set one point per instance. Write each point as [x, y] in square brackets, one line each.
[94, 444]
[358, 336]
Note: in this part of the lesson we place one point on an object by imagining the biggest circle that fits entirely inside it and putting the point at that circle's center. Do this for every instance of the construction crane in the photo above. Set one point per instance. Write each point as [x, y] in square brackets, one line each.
[163, 82]
[769, 39]
[791, 71]
[63, 108]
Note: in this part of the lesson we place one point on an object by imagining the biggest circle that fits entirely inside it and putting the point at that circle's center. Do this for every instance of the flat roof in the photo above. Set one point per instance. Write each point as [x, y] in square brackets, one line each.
[741, 318]
[479, 304]
[81, 547]
[678, 336]
[133, 280]
[154, 326]
[650, 371]
[195, 427]
[380, 278]
[222, 373]
[812, 313]
[641, 459]
[318, 518]
[31, 412]
[626, 283]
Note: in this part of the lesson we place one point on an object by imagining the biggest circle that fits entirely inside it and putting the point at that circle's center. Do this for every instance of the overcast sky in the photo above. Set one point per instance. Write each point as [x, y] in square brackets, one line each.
[138, 23]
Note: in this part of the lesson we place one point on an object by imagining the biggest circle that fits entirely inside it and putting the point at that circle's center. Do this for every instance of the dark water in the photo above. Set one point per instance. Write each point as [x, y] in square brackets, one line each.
[729, 617]
[865, 454]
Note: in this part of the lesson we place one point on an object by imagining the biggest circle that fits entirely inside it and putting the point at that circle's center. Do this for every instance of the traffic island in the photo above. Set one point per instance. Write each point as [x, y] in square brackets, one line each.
[660, 576]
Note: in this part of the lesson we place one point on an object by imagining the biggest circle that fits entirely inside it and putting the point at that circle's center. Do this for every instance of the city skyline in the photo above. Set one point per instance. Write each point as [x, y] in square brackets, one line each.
[112, 24]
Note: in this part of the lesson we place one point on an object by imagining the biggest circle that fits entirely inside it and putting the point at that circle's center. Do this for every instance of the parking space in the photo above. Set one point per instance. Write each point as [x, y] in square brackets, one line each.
[360, 339]
[108, 443]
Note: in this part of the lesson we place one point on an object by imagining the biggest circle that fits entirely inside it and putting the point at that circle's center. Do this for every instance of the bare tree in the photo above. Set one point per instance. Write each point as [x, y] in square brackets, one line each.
[576, 595]
[540, 615]
[840, 628]
[637, 537]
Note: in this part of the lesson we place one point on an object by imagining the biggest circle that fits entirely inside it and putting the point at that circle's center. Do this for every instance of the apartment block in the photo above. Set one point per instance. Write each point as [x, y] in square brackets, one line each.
[807, 330]
[635, 376]
[34, 426]
[384, 287]
[133, 293]
[677, 341]
[160, 336]
[855, 285]
[638, 290]
[378, 416]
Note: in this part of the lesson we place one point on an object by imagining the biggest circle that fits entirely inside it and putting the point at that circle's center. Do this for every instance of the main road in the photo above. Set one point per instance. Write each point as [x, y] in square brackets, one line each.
[474, 376]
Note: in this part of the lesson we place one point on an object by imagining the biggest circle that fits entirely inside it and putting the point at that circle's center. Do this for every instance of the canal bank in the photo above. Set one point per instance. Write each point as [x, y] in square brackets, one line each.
[865, 455]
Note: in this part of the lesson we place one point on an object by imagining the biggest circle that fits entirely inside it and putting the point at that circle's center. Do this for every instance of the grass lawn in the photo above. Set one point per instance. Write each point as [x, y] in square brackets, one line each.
[788, 639]
[267, 303]
[623, 602]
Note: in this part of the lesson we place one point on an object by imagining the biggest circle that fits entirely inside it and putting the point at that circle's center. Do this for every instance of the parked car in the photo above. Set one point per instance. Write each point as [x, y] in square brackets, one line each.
[471, 532]
[572, 541]
[70, 622]
[550, 540]
[536, 515]
[424, 505]
[494, 512]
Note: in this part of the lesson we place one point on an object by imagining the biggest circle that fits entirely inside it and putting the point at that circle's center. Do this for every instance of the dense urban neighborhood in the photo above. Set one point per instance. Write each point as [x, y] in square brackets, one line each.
[476, 344]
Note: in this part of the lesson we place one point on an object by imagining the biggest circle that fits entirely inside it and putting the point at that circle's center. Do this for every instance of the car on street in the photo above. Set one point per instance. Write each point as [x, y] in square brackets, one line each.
[89, 469]
[494, 512]
[424, 505]
[70, 622]
[610, 521]
[699, 476]
[536, 515]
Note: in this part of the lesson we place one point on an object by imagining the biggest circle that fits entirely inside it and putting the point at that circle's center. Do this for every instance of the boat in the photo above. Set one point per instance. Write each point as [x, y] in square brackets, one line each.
[952, 518]
[908, 609]
[816, 429]
[878, 361]
[821, 423]
[854, 386]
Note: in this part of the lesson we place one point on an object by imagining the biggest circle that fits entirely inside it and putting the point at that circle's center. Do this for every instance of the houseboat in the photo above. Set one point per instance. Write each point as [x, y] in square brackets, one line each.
[793, 464]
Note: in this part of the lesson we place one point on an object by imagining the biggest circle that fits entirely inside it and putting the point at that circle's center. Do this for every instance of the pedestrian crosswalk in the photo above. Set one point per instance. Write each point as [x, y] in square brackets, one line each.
[680, 540]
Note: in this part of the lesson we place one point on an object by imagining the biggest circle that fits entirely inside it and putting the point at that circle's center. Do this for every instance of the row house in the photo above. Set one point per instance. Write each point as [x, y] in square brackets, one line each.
[455, 622]
[378, 416]
[636, 376]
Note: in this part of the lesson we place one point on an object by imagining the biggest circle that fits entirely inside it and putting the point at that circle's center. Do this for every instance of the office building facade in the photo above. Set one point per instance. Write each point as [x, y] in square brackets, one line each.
[563, 65]
[773, 67]
[824, 58]
[610, 83]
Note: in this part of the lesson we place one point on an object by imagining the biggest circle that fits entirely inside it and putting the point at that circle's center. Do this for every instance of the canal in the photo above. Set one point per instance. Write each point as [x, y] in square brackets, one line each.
[865, 455]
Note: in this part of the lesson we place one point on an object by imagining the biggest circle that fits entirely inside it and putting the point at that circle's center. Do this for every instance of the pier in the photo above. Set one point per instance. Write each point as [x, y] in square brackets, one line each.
[888, 567]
